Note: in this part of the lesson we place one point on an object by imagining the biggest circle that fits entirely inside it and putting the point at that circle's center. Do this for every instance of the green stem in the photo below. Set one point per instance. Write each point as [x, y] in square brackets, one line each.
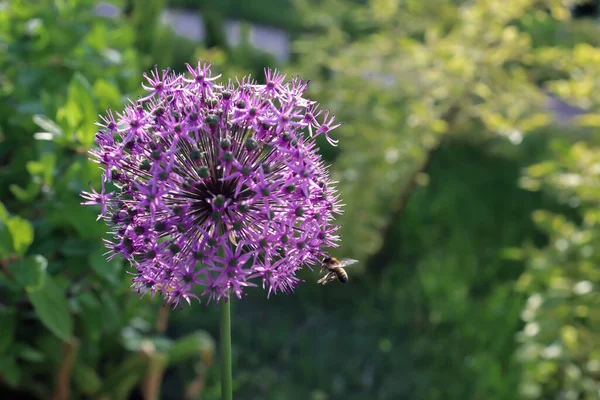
[226, 389]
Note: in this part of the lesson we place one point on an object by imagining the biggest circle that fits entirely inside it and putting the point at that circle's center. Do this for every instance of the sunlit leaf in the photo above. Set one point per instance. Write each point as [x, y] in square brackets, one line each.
[589, 120]
[43, 168]
[108, 95]
[6, 243]
[27, 194]
[79, 112]
[21, 232]
[3, 213]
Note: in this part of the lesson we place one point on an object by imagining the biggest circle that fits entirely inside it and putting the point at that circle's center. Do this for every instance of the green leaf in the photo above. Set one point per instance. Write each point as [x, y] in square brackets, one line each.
[52, 308]
[92, 315]
[44, 168]
[50, 346]
[9, 371]
[28, 353]
[198, 343]
[108, 95]
[74, 247]
[8, 320]
[25, 195]
[109, 270]
[31, 272]
[9, 286]
[114, 309]
[86, 379]
[6, 244]
[3, 213]
[79, 112]
[21, 232]
[126, 376]
[83, 219]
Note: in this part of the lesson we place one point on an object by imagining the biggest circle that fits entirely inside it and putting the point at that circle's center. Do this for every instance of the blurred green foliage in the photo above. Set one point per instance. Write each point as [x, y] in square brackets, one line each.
[69, 322]
[559, 343]
[424, 71]
[280, 13]
[561, 338]
[410, 78]
[460, 293]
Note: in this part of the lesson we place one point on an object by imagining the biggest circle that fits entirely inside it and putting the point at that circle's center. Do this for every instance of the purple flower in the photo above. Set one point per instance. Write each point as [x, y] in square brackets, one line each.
[216, 185]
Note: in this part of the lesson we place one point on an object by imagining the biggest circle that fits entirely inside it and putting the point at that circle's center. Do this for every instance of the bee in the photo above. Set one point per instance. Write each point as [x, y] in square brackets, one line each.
[335, 269]
[166, 288]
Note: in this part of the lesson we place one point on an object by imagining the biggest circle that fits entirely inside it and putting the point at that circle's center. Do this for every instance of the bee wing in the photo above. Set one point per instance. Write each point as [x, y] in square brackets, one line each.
[330, 277]
[345, 262]
[166, 287]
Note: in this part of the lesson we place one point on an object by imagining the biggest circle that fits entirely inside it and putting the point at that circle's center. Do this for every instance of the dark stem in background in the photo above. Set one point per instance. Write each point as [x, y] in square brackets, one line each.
[157, 362]
[128, 8]
[162, 319]
[226, 387]
[212, 17]
[62, 379]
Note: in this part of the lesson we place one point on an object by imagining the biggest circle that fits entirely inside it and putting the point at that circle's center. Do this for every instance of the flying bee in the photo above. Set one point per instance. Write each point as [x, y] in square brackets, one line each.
[335, 269]
[166, 288]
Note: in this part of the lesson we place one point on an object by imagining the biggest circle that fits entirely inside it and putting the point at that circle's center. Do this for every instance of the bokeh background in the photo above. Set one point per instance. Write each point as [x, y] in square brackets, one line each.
[469, 162]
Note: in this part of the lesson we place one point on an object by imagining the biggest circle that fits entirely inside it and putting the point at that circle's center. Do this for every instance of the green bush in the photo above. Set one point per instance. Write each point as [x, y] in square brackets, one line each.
[419, 75]
[559, 343]
[70, 322]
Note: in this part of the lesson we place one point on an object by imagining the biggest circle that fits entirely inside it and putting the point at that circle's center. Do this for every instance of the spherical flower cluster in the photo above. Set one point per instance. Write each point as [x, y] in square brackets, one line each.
[216, 186]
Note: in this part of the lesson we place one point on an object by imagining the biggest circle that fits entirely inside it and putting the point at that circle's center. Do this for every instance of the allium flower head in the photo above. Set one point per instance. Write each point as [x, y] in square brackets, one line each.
[216, 185]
